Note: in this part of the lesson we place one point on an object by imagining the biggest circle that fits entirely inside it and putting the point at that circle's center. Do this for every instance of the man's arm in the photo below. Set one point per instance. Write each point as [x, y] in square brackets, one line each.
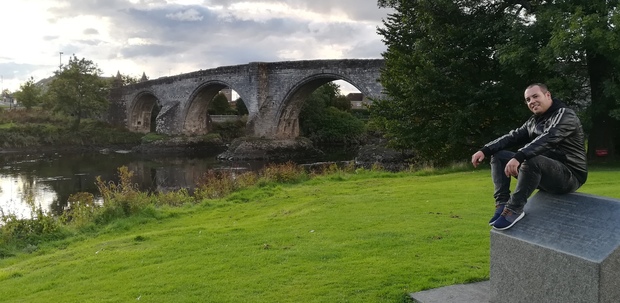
[514, 137]
[563, 124]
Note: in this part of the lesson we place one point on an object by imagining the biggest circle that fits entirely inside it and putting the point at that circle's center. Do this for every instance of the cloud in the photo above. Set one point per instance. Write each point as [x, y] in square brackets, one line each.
[13, 74]
[186, 15]
[151, 50]
[161, 37]
[352, 9]
[90, 42]
[9, 69]
[366, 50]
[90, 31]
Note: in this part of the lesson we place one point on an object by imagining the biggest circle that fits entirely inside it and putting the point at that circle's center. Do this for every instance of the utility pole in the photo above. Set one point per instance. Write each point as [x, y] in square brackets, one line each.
[60, 62]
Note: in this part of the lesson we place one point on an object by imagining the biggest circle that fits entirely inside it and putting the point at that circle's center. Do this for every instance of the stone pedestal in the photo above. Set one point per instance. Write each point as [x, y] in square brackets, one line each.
[565, 249]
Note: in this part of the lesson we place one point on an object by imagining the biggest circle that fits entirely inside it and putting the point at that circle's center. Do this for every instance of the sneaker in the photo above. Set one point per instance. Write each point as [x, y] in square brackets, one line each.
[499, 208]
[507, 219]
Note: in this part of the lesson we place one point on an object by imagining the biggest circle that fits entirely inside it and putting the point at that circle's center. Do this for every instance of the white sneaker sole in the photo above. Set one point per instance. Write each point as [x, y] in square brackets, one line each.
[513, 223]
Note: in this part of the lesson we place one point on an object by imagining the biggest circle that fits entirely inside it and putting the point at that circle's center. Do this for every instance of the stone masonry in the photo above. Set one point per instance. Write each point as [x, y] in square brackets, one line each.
[273, 93]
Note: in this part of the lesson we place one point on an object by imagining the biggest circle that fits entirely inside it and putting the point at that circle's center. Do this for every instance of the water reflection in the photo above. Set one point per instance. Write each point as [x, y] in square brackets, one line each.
[47, 180]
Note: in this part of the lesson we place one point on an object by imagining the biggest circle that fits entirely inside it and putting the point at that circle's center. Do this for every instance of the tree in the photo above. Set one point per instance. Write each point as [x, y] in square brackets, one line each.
[342, 103]
[577, 43]
[128, 79]
[444, 81]
[455, 69]
[322, 122]
[241, 108]
[78, 90]
[29, 94]
[219, 105]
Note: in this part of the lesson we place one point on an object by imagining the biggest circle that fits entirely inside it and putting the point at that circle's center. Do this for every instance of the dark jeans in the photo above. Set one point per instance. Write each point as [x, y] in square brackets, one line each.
[539, 172]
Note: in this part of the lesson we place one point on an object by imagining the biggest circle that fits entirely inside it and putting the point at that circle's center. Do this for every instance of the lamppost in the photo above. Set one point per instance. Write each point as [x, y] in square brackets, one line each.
[60, 63]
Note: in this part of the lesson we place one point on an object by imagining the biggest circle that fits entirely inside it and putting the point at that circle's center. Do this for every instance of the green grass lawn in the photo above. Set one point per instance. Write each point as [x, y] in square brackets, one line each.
[369, 237]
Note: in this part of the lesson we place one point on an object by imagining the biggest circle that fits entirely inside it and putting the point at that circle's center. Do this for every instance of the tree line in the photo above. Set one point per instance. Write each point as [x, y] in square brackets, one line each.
[456, 70]
[77, 90]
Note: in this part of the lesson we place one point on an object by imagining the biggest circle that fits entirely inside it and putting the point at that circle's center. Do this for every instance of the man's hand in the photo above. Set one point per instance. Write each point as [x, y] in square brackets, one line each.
[512, 168]
[477, 158]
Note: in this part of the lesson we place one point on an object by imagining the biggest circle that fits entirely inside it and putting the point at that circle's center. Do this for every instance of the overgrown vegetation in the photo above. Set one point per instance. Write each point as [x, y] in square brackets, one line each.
[231, 129]
[21, 128]
[325, 118]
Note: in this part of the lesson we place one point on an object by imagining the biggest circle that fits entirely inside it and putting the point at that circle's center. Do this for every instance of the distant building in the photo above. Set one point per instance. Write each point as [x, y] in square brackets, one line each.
[8, 99]
[358, 100]
[228, 93]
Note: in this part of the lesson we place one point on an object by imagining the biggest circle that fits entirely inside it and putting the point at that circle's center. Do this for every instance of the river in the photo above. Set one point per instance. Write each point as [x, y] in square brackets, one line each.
[47, 179]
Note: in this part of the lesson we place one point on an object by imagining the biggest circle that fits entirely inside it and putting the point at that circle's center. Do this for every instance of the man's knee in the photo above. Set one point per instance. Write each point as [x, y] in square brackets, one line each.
[532, 164]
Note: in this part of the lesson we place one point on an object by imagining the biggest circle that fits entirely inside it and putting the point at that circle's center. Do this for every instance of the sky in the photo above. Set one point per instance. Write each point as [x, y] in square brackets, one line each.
[169, 37]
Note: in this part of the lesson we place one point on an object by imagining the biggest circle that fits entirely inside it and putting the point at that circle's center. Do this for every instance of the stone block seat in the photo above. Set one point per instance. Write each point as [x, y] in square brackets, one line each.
[566, 249]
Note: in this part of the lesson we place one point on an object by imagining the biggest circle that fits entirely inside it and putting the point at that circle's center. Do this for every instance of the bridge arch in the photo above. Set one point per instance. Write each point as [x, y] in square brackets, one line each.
[196, 119]
[288, 112]
[143, 112]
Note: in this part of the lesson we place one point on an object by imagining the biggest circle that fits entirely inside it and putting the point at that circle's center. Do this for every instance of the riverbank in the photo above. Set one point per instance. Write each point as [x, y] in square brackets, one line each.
[37, 131]
[359, 237]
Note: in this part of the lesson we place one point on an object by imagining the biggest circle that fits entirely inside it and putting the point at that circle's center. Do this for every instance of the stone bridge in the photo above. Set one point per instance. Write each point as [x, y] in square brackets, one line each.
[272, 92]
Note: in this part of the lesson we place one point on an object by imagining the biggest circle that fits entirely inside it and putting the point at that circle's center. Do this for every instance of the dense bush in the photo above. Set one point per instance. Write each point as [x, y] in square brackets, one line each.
[333, 126]
[325, 118]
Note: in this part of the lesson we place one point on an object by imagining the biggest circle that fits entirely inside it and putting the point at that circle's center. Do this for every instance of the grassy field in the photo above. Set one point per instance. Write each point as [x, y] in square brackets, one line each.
[366, 237]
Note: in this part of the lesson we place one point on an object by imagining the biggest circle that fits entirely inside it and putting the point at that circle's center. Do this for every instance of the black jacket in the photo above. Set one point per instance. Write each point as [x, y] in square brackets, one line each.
[556, 134]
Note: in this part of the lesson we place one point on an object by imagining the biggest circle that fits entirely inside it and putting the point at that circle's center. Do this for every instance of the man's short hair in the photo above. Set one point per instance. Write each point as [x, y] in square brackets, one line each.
[542, 86]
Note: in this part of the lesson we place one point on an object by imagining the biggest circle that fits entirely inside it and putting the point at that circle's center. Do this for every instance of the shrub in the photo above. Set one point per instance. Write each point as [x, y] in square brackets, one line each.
[288, 172]
[23, 232]
[333, 126]
[215, 184]
[80, 210]
[174, 198]
[120, 199]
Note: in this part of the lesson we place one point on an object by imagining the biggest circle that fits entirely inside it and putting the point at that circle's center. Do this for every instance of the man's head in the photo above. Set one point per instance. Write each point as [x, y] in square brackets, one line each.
[538, 98]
